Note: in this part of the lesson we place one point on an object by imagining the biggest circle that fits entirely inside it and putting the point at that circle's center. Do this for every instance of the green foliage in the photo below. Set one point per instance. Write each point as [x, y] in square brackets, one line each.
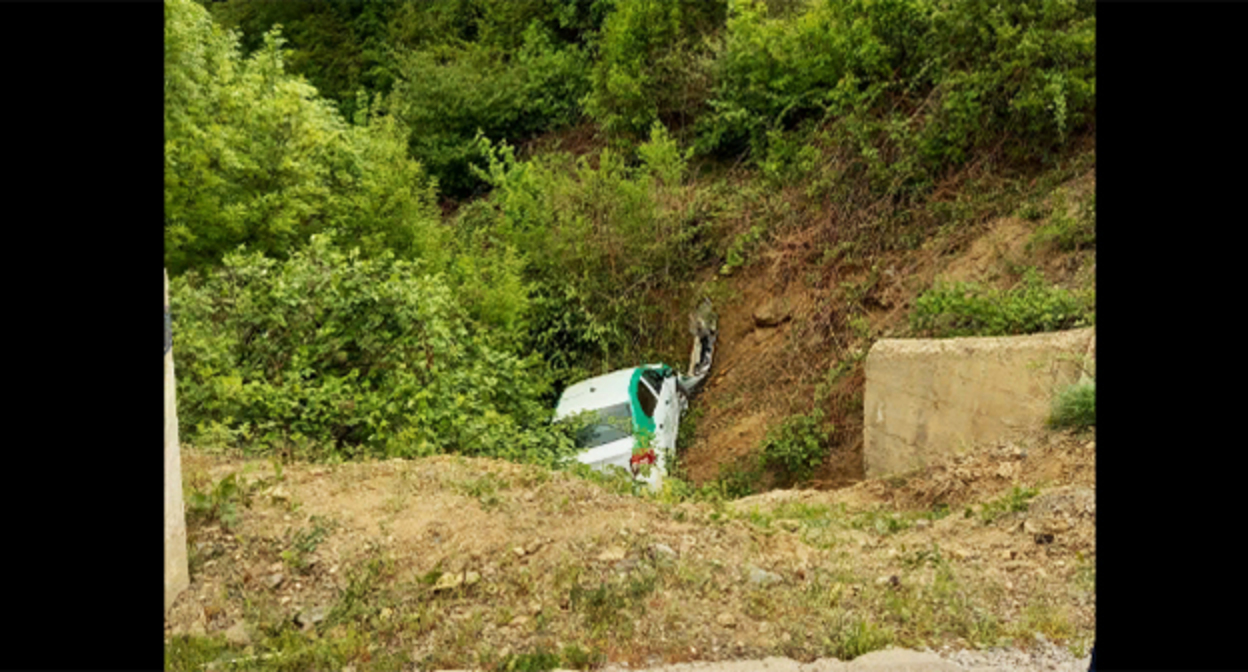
[303, 542]
[798, 446]
[964, 309]
[219, 504]
[1065, 231]
[254, 156]
[1015, 501]
[742, 249]
[447, 95]
[914, 85]
[594, 238]
[1075, 406]
[331, 354]
[647, 68]
[484, 489]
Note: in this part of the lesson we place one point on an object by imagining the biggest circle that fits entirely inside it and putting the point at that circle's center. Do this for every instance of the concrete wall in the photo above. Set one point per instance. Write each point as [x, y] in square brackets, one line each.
[929, 399]
[177, 576]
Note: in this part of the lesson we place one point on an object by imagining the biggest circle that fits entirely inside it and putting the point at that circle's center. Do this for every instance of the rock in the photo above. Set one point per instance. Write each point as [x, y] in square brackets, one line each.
[274, 580]
[197, 630]
[535, 608]
[519, 621]
[310, 616]
[612, 554]
[385, 614]
[1008, 554]
[533, 547]
[237, 634]
[922, 524]
[278, 494]
[789, 524]
[772, 313]
[786, 638]
[901, 660]
[660, 550]
[519, 551]
[763, 577]
[726, 620]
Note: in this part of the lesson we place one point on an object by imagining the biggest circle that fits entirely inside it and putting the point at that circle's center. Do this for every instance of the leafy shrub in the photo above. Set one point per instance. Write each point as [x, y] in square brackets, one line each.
[449, 94]
[332, 354]
[1075, 406]
[915, 85]
[254, 156]
[220, 503]
[798, 446]
[646, 68]
[594, 238]
[1065, 231]
[966, 309]
[742, 248]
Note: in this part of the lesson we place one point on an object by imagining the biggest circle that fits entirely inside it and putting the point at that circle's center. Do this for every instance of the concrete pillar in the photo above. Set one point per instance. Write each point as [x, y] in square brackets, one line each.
[177, 575]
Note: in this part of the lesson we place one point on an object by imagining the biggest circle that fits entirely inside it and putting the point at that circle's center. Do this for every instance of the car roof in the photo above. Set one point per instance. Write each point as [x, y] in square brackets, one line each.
[603, 391]
[599, 392]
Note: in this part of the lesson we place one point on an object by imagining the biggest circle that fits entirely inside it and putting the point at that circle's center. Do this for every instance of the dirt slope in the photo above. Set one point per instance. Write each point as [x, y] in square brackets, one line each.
[454, 563]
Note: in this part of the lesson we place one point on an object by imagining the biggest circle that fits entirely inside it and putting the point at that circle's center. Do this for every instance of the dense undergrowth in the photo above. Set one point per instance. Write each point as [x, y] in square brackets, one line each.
[325, 306]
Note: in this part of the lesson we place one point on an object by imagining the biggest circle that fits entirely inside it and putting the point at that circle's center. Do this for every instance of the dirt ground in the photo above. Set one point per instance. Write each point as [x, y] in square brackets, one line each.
[453, 563]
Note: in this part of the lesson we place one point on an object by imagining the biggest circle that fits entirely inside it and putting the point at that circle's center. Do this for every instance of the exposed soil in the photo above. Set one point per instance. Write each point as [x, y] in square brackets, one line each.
[427, 521]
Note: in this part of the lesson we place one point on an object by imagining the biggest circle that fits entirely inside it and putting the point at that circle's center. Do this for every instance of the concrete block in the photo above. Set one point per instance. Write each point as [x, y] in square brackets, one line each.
[177, 576]
[928, 399]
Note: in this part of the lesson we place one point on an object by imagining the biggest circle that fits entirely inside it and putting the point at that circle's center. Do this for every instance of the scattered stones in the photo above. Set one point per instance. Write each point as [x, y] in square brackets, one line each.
[533, 547]
[763, 577]
[310, 616]
[612, 554]
[274, 580]
[1008, 554]
[237, 634]
[519, 551]
[663, 550]
[726, 620]
[455, 580]
[772, 313]
[922, 524]
[535, 608]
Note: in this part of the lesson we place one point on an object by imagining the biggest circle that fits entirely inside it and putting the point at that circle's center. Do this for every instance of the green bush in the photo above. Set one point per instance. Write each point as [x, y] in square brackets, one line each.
[1065, 231]
[594, 238]
[254, 156]
[1075, 407]
[647, 64]
[915, 85]
[797, 447]
[967, 309]
[447, 95]
[329, 354]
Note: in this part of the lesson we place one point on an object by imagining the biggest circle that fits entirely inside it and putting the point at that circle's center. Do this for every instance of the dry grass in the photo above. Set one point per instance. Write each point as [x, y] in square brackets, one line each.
[592, 585]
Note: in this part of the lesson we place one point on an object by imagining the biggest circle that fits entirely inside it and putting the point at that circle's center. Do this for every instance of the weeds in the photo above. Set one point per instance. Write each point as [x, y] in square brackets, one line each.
[1075, 407]
[1065, 231]
[304, 542]
[484, 489]
[1015, 501]
[967, 309]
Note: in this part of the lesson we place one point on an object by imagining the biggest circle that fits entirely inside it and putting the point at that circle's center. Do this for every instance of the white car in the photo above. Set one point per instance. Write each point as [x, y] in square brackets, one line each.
[625, 404]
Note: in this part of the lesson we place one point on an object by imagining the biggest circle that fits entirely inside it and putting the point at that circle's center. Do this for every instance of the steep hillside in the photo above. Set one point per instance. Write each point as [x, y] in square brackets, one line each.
[805, 309]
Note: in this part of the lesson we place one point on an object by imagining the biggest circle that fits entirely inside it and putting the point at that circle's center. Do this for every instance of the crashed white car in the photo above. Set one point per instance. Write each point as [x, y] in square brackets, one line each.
[622, 407]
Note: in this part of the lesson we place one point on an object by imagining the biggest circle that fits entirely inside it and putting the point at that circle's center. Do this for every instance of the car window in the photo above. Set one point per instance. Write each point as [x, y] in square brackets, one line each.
[646, 397]
[654, 378]
[605, 425]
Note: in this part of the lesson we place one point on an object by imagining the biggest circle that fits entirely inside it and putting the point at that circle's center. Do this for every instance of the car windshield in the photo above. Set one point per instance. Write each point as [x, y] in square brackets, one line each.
[605, 425]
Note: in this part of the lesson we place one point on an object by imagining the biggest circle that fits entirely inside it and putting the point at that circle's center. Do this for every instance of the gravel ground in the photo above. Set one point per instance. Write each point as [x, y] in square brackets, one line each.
[1045, 657]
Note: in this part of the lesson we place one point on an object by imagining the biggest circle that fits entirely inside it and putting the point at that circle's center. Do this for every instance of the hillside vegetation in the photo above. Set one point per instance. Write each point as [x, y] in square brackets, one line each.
[399, 229]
